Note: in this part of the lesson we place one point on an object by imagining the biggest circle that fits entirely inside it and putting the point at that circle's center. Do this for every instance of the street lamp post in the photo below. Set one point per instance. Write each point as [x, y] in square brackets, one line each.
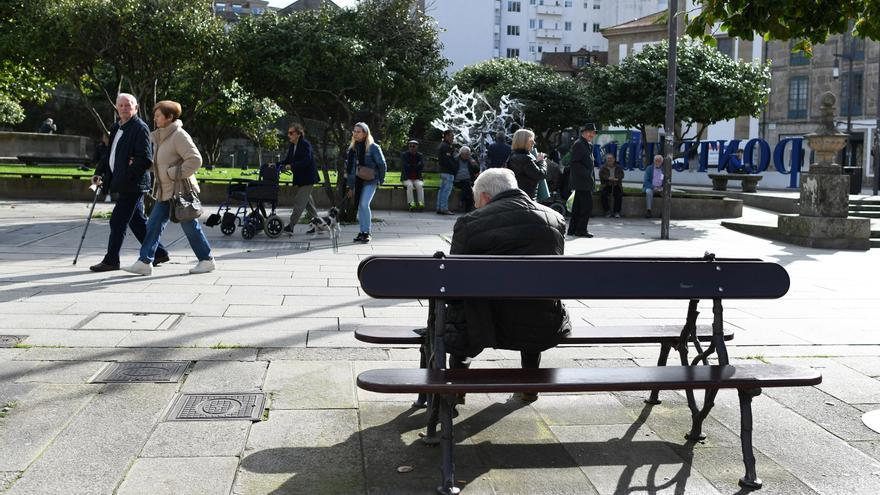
[848, 55]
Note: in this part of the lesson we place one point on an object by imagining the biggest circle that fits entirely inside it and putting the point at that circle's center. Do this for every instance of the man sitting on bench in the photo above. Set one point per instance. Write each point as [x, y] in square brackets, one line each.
[506, 222]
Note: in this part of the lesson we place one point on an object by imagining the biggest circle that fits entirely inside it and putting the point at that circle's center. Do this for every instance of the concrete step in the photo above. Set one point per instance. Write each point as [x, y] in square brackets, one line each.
[871, 202]
[875, 243]
[866, 207]
[875, 234]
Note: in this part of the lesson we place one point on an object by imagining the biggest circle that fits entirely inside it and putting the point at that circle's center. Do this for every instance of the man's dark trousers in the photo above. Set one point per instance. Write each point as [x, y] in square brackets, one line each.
[581, 210]
[612, 190]
[128, 213]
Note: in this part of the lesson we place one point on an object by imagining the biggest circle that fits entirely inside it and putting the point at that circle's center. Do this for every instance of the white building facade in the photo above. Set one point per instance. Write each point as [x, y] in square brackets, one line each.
[476, 30]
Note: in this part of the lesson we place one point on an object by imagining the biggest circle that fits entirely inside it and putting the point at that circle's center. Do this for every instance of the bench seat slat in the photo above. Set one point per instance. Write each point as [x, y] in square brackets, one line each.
[638, 334]
[491, 380]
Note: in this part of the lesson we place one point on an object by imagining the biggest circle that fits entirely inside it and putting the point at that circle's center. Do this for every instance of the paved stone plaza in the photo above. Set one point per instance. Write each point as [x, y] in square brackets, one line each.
[277, 317]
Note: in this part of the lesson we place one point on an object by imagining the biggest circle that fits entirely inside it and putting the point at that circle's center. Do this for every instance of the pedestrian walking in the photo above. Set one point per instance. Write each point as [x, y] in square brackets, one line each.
[176, 160]
[366, 171]
[301, 161]
[126, 170]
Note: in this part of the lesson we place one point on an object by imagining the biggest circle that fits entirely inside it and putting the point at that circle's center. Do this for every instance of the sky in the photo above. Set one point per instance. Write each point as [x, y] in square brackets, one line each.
[285, 3]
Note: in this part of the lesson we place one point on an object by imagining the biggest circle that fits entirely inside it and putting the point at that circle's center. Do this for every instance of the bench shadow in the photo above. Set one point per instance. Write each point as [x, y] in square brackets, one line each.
[387, 446]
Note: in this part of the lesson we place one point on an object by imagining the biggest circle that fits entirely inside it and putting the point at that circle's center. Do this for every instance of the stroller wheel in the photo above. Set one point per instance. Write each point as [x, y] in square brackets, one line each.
[256, 220]
[274, 226]
[248, 231]
[227, 228]
[213, 220]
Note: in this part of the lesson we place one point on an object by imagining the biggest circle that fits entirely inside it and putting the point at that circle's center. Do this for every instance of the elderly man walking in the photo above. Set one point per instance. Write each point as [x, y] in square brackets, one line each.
[126, 170]
[582, 181]
[506, 221]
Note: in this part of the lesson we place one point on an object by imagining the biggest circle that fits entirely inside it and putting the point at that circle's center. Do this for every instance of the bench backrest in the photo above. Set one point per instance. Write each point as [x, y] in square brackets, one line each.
[570, 277]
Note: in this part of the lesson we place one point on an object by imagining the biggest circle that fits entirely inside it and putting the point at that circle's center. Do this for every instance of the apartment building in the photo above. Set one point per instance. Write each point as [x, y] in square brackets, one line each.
[476, 30]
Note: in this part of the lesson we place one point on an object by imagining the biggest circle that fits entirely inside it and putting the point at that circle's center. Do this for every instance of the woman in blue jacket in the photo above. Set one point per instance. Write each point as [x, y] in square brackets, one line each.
[366, 170]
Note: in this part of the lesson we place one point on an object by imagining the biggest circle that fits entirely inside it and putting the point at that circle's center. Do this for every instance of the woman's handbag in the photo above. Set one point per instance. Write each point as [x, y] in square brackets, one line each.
[185, 203]
[365, 173]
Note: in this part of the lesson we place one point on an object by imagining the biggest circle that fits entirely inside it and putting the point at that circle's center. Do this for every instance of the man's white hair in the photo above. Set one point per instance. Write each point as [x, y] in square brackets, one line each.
[130, 97]
[494, 181]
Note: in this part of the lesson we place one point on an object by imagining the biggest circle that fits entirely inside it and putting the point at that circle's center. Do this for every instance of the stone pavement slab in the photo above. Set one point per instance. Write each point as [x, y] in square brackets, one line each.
[172, 476]
[197, 439]
[283, 319]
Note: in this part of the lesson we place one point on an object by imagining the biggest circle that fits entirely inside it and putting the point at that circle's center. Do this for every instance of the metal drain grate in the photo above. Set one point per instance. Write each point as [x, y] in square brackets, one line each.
[11, 340]
[139, 372]
[218, 406]
[108, 320]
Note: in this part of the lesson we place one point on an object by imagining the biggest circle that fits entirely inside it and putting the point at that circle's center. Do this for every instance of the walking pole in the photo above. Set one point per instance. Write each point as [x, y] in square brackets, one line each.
[97, 190]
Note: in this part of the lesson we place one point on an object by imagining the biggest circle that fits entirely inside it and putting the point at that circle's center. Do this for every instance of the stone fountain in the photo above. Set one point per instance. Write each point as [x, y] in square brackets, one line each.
[822, 220]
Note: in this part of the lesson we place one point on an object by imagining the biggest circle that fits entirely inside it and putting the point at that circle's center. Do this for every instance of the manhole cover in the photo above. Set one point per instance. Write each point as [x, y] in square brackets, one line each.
[131, 321]
[11, 340]
[218, 406]
[132, 372]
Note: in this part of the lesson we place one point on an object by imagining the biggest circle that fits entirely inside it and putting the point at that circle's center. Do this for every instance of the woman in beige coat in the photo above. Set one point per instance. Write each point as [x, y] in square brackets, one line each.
[175, 157]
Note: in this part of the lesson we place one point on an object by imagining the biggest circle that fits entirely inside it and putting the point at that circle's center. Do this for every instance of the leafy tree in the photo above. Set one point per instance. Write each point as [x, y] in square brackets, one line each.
[711, 87]
[810, 21]
[340, 66]
[11, 112]
[101, 48]
[551, 101]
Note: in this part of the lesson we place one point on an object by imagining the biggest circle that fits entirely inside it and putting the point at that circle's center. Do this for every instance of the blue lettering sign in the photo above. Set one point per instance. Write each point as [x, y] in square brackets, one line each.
[748, 154]
[794, 161]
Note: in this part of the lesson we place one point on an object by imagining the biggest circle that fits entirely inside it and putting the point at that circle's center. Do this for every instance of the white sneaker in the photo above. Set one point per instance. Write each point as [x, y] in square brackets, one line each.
[139, 268]
[203, 266]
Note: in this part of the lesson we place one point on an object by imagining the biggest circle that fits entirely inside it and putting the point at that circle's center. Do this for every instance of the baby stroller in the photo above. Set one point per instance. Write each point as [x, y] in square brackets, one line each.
[557, 184]
[253, 196]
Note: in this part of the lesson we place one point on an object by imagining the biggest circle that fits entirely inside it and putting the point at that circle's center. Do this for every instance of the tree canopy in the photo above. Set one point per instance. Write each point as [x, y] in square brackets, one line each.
[711, 87]
[809, 21]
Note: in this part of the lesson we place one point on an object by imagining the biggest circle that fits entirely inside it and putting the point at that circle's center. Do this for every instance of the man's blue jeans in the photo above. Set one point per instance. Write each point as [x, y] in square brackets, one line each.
[156, 225]
[446, 181]
[365, 216]
[128, 214]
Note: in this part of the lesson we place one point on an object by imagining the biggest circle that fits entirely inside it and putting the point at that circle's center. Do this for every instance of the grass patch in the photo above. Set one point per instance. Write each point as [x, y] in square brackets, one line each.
[221, 345]
[22, 346]
[102, 215]
[758, 357]
[6, 408]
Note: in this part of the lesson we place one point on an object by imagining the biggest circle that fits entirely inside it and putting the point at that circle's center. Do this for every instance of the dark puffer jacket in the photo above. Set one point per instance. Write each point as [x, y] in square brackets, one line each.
[528, 171]
[511, 224]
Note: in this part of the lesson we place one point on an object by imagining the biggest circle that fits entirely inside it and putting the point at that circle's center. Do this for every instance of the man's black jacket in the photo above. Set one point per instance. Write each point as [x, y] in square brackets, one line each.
[511, 224]
[134, 157]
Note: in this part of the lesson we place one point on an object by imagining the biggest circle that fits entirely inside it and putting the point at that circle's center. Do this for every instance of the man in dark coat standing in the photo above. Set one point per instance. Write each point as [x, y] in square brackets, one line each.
[582, 181]
[125, 171]
[498, 152]
[301, 161]
[448, 168]
[506, 222]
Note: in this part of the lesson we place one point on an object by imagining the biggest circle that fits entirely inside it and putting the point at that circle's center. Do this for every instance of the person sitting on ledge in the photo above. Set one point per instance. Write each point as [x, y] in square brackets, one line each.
[653, 183]
[611, 178]
[412, 162]
[735, 164]
[506, 222]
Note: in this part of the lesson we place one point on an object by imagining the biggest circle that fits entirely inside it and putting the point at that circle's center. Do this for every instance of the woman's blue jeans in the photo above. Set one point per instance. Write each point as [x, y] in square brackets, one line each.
[446, 181]
[365, 216]
[156, 225]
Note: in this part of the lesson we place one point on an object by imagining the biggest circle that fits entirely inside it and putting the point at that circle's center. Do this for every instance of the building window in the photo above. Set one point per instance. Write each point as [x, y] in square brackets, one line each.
[513, 30]
[597, 5]
[798, 92]
[540, 49]
[513, 53]
[796, 57]
[219, 7]
[566, 48]
[857, 46]
[586, 26]
[586, 4]
[582, 62]
[595, 27]
[257, 10]
[532, 48]
[540, 23]
[532, 2]
[568, 25]
[725, 46]
[856, 102]
[513, 6]
[532, 24]
[568, 3]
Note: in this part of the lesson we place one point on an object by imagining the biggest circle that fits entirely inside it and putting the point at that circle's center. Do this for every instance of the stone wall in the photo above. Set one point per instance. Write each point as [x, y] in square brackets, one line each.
[13, 144]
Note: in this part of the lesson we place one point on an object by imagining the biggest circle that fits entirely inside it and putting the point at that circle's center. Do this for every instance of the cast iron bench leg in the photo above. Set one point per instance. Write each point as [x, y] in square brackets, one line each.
[422, 400]
[750, 480]
[661, 361]
[446, 443]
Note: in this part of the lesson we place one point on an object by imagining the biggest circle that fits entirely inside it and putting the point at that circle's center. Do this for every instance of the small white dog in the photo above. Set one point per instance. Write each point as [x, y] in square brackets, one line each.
[327, 224]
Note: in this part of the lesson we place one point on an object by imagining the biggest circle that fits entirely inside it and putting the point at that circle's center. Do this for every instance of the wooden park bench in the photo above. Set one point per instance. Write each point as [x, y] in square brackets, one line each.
[749, 182]
[442, 278]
